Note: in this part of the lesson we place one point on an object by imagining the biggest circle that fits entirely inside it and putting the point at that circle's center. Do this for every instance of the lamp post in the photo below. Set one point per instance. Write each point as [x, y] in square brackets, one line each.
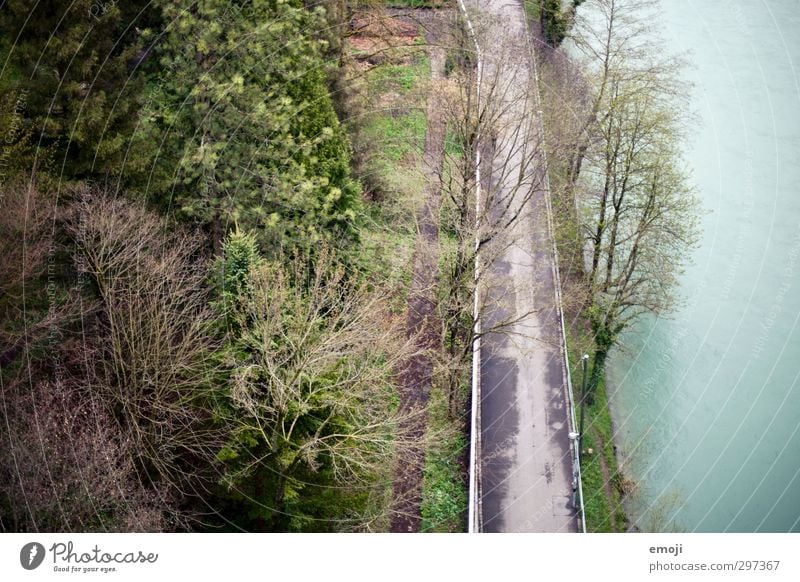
[584, 364]
[579, 436]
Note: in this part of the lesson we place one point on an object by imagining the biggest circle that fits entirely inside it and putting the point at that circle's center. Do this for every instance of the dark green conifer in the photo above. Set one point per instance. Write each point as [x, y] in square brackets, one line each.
[246, 128]
[74, 64]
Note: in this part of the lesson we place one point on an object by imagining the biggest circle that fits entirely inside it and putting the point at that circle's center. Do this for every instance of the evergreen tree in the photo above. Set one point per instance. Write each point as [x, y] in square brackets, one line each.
[73, 63]
[246, 128]
[556, 19]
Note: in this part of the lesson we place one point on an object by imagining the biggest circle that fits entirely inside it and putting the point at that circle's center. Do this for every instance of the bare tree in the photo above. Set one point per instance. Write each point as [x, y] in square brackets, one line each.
[26, 242]
[618, 48]
[312, 382]
[486, 107]
[148, 336]
[66, 466]
[66, 462]
[638, 214]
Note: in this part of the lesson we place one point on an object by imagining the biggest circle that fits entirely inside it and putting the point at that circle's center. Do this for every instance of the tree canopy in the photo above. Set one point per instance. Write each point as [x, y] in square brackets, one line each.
[245, 128]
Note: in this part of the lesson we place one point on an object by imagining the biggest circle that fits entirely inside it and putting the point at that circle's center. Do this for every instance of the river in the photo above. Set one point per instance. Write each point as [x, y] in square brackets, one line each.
[706, 402]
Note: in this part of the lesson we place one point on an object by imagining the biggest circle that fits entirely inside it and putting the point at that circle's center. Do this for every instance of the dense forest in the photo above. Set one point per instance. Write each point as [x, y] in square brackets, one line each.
[190, 338]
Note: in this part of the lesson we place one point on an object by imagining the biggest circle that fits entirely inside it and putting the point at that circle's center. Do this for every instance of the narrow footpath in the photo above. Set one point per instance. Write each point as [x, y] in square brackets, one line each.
[415, 378]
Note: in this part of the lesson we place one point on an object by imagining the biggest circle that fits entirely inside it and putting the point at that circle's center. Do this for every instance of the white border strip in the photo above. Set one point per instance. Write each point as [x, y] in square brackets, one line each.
[475, 517]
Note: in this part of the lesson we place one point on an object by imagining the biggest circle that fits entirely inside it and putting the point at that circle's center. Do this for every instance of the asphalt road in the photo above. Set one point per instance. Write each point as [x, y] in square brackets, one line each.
[526, 458]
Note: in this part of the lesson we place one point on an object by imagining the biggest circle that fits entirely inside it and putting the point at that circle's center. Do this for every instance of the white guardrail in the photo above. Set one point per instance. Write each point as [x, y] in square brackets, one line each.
[475, 516]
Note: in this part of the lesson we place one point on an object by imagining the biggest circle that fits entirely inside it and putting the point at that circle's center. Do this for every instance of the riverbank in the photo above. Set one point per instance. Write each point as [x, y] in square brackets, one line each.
[604, 485]
[705, 400]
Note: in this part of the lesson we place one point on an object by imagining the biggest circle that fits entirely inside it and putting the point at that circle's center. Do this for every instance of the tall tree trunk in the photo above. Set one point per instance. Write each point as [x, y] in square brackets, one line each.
[279, 517]
[216, 234]
[598, 367]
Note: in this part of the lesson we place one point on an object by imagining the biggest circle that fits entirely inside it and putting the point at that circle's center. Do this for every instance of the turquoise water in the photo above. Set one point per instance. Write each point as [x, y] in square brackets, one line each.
[707, 402]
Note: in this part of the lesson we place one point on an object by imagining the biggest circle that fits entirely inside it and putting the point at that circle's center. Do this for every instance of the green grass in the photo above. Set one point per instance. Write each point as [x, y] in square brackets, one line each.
[397, 137]
[452, 145]
[395, 133]
[532, 10]
[397, 125]
[444, 485]
[399, 77]
[445, 478]
[444, 500]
